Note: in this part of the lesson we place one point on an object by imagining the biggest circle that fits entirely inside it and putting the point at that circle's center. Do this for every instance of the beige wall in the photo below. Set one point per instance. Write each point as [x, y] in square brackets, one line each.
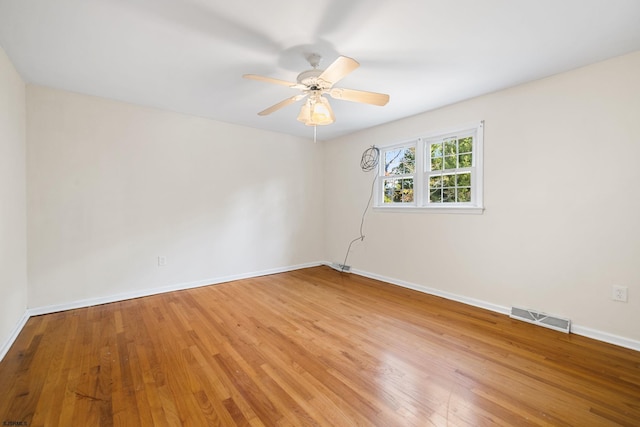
[112, 186]
[562, 206]
[13, 243]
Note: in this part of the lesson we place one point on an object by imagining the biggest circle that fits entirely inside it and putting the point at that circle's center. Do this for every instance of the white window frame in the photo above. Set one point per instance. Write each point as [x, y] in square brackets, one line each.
[421, 201]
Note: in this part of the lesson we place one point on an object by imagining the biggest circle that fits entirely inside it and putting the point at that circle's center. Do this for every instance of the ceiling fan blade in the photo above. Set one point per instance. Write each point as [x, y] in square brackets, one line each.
[339, 69]
[269, 80]
[372, 98]
[281, 104]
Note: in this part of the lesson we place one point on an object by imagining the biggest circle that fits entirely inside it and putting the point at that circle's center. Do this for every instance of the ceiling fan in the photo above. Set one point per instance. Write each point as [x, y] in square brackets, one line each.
[315, 83]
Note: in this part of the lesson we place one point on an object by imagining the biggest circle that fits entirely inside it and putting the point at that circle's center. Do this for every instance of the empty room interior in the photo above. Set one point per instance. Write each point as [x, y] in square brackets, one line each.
[331, 213]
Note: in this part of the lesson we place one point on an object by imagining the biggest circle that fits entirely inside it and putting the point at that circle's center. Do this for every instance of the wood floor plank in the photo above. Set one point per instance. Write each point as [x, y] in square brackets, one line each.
[310, 347]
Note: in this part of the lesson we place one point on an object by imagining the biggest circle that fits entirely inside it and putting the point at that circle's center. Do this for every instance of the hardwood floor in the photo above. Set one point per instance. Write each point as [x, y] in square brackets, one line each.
[310, 347]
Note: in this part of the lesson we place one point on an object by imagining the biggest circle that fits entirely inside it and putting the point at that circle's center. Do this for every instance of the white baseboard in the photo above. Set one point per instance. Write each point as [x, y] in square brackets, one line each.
[14, 335]
[437, 292]
[605, 337]
[36, 311]
[575, 329]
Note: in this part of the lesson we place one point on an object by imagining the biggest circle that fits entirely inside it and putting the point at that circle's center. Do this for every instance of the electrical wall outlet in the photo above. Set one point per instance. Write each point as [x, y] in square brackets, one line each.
[162, 261]
[619, 293]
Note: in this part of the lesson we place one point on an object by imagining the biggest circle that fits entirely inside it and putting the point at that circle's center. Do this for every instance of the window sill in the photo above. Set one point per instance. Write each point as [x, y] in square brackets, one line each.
[474, 210]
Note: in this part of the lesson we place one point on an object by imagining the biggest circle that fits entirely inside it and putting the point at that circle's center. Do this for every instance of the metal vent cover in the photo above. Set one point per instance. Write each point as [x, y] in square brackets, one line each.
[541, 319]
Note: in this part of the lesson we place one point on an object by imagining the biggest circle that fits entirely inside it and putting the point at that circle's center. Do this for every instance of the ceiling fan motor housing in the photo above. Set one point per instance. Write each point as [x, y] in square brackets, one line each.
[310, 79]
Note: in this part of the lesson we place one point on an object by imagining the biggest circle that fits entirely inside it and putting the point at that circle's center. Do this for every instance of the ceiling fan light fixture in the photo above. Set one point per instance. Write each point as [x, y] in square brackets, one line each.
[316, 112]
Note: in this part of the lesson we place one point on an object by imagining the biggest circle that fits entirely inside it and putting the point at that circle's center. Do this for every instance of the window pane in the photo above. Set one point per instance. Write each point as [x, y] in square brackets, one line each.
[436, 150]
[465, 145]
[388, 186]
[408, 162]
[464, 160]
[449, 195]
[464, 195]
[391, 161]
[448, 180]
[407, 191]
[400, 161]
[436, 164]
[450, 147]
[397, 193]
[450, 188]
[435, 182]
[450, 162]
[463, 180]
[398, 190]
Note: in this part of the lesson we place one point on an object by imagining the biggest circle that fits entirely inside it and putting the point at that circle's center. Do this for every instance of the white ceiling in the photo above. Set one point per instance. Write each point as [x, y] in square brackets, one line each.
[189, 55]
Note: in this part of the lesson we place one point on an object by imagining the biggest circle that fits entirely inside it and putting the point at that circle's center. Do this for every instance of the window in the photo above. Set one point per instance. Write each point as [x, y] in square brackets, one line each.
[440, 172]
[399, 174]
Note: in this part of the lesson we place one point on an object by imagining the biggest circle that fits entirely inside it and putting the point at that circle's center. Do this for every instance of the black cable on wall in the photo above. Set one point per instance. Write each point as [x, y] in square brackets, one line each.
[368, 163]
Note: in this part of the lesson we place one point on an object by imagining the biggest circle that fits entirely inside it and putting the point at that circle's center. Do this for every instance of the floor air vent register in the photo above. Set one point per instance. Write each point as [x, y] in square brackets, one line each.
[541, 319]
